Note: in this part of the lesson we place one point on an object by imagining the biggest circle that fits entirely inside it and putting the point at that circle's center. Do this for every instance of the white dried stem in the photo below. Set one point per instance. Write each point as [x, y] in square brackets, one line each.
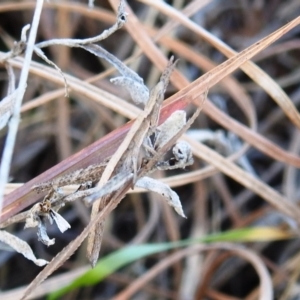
[121, 20]
[42, 55]
[15, 219]
[91, 3]
[8, 103]
[14, 122]
[7, 107]
[11, 79]
[24, 33]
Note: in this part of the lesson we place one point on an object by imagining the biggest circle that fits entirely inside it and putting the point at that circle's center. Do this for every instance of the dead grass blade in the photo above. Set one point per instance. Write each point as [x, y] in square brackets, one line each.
[21, 247]
[265, 291]
[100, 13]
[253, 71]
[128, 110]
[246, 179]
[47, 287]
[194, 89]
[230, 84]
[213, 77]
[84, 88]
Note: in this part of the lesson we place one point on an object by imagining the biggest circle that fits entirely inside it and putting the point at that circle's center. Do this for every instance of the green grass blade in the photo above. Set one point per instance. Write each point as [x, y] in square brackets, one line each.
[118, 259]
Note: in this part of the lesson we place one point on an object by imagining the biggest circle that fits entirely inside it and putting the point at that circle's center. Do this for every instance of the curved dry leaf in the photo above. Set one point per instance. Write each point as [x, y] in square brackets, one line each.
[119, 65]
[21, 247]
[139, 92]
[130, 79]
[157, 186]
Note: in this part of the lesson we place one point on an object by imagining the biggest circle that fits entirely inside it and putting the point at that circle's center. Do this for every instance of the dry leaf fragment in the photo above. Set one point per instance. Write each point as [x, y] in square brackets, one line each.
[139, 92]
[21, 247]
[129, 79]
[164, 190]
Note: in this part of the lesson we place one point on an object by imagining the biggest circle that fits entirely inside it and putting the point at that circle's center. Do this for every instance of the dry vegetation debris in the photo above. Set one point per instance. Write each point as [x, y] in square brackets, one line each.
[74, 143]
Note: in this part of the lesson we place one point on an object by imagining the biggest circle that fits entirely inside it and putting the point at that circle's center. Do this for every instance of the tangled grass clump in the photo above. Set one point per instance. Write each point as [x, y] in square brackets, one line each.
[241, 187]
